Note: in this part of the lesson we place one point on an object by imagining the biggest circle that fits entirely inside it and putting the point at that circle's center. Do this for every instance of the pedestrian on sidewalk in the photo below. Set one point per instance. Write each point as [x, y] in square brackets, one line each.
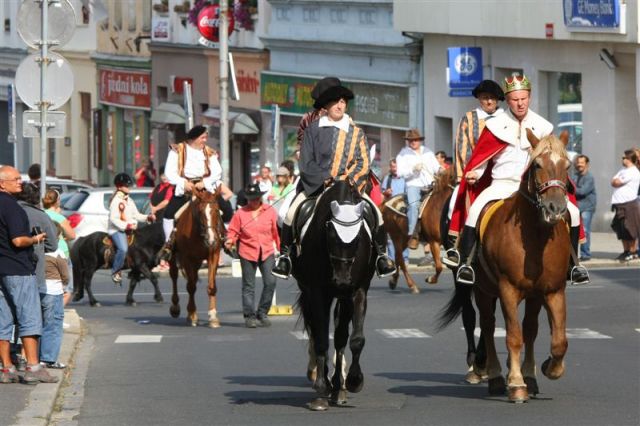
[625, 202]
[57, 276]
[18, 284]
[254, 228]
[586, 196]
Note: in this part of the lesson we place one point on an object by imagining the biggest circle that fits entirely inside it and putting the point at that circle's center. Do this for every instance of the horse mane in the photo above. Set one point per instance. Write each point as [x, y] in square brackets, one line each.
[444, 179]
[549, 144]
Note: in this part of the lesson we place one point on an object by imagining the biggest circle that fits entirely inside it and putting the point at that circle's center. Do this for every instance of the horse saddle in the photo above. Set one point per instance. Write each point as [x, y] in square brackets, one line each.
[425, 194]
[398, 204]
[485, 216]
[109, 249]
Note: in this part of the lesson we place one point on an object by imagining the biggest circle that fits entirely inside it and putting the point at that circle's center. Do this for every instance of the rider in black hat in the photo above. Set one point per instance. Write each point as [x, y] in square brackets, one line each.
[333, 148]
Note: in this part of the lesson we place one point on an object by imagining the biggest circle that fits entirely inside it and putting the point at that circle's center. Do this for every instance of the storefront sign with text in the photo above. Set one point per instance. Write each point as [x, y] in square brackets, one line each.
[125, 88]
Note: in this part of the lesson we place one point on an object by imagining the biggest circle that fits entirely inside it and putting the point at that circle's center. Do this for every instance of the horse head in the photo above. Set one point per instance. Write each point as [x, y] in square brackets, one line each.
[343, 233]
[545, 181]
[206, 215]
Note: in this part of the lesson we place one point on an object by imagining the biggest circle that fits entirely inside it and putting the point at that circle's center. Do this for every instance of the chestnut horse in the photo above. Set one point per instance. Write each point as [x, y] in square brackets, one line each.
[396, 226]
[524, 255]
[199, 237]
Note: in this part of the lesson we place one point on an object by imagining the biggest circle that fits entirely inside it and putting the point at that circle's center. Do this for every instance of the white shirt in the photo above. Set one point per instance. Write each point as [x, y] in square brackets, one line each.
[342, 124]
[194, 168]
[55, 287]
[630, 177]
[512, 161]
[123, 206]
[408, 161]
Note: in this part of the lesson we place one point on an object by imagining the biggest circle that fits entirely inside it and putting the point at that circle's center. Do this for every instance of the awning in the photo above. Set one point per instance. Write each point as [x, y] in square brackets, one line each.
[243, 124]
[168, 113]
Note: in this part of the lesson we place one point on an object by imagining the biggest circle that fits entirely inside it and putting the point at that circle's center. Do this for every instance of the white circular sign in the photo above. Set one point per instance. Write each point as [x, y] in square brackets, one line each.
[61, 22]
[466, 64]
[58, 85]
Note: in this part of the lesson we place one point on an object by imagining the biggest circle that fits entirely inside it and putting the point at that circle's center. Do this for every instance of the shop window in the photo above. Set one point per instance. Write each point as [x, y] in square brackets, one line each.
[86, 15]
[443, 135]
[565, 107]
[51, 156]
[131, 16]
[117, 15]
[146, 16]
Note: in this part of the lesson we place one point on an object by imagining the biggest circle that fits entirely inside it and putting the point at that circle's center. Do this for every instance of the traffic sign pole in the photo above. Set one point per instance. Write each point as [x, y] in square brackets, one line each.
[44, 105]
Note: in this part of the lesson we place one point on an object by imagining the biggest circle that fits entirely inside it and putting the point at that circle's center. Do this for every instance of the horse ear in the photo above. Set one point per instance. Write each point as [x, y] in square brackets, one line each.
[335, 208]
[533, 140]
[564, 137]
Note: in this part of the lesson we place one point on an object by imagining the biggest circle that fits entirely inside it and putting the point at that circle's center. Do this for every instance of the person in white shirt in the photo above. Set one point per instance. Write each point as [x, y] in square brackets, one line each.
[626, 204]
[191, 165]
[417, 165]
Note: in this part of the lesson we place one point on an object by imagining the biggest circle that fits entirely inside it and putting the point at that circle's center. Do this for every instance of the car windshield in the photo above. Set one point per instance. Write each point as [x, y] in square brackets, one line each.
[75, 200]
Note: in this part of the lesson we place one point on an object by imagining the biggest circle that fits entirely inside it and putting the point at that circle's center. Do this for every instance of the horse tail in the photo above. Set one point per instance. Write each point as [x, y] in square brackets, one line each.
[461, 297]
[305, 312]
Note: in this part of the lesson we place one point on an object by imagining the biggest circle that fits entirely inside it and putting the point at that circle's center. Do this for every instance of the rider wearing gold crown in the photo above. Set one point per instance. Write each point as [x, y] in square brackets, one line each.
[494, 172]
[333, 147]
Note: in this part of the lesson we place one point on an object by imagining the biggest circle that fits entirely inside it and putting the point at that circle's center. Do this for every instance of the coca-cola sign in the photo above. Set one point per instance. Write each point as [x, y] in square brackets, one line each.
[209, 22]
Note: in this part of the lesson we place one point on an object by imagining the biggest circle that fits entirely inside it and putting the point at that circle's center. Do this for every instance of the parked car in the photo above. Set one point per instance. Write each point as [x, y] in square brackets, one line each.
[88, 209]
[65, 187]
[574, 128]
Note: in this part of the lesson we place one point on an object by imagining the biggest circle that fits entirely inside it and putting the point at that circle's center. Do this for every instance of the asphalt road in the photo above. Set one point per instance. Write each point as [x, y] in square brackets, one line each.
[173, 374]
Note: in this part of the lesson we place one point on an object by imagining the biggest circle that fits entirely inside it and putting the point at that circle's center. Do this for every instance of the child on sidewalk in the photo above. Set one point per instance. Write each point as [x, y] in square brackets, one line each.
[57, 276]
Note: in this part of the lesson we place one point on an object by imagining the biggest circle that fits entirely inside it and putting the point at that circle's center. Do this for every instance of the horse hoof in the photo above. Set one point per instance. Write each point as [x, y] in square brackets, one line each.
[548, 370]
[339, 398]
[518, 394]
[432, 280]
[131, 303]
[95, 304]
[319, 404]
[311, 375]
[532, 385]
[393, 284]
[497, 386]
[159, 299]
[174, 310]
[473, 378]
[355, 382]
[415, 289]
[214, 323]
[192, 323]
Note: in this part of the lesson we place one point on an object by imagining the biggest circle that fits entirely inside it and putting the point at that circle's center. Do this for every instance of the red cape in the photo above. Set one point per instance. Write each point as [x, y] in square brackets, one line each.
[488, 146]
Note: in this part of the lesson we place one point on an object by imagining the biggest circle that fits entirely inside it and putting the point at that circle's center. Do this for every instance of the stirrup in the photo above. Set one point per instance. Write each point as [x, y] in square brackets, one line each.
[280, 272]
[447, 259]
[578, 269]
[463, 280]
[389, 272]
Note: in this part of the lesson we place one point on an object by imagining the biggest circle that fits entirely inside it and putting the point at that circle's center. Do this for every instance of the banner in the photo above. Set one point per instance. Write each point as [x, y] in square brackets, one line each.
[596, 14]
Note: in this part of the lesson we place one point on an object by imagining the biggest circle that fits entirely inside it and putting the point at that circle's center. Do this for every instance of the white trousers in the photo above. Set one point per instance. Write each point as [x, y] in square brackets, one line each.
[501, 189]
[301, 196]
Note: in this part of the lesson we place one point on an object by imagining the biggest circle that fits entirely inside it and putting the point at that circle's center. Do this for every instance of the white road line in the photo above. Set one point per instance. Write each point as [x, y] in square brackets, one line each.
[572, 333]
[302, 335]
[402, 333]
[638, 330]
[138, 338]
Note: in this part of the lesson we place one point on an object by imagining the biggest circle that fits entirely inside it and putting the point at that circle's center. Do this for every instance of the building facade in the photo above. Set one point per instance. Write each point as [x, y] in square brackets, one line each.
[308, 41]
[582, 57]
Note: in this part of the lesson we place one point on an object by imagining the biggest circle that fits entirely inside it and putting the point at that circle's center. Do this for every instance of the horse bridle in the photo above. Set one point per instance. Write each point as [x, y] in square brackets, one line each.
[354, 241]
[541, 188]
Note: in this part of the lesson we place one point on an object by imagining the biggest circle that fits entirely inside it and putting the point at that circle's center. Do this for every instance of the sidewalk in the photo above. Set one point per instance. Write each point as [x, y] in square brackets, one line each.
[28, 405]
[32, 405]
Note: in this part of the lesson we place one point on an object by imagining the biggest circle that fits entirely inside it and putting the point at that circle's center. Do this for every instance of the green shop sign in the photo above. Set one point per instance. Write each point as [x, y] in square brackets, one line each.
[375, 104]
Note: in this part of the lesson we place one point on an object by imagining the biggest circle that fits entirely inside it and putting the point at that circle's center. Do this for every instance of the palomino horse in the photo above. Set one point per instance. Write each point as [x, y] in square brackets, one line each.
[199, 237]
[395, 224]
[524, 256]
[335, 260]
[89, 253]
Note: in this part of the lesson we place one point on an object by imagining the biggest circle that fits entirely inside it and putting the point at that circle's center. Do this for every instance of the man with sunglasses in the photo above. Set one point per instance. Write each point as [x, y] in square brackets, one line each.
[503, 152]
[18, 283]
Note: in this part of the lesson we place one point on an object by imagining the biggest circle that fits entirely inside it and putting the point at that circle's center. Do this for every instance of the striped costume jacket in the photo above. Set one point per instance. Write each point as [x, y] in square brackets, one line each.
[469, 130]
[331, 152]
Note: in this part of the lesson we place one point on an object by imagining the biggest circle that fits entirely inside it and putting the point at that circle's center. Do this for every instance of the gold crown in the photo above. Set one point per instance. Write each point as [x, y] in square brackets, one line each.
[516, 82]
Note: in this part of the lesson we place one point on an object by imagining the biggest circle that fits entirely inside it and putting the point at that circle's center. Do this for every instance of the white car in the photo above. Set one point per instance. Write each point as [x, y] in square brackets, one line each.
[88, 209]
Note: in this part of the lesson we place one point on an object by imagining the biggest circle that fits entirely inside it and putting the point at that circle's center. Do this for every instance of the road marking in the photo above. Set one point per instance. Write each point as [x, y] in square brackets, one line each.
[302, 335]
[402, 333]
[638, 330]
[138, 338]
[572, 333]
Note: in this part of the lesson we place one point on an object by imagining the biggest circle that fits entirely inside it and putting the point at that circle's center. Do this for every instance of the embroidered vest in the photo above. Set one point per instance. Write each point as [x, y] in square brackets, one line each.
[181, 148]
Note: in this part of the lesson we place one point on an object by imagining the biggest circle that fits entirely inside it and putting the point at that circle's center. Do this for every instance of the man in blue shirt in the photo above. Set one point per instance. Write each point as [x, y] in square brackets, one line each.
[586, 196]
[19, 295]
[393, 185]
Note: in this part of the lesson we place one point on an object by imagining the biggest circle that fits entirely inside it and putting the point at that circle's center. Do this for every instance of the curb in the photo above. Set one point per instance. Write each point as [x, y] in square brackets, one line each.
[42, 398]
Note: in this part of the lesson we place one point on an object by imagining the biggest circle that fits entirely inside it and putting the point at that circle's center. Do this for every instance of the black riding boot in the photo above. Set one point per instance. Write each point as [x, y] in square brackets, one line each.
[466, 274]
[283, 266]
[384, 265]
[166, 251]
[577, 273]
[452, 256]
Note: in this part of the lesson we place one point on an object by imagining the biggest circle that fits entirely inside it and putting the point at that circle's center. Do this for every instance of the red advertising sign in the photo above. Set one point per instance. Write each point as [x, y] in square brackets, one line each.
[178, 84]
[125, 88]
[208, 22]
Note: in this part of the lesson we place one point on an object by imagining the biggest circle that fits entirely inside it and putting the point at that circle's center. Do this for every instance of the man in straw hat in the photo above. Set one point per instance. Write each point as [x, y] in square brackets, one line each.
[503, 153]
[417, 164]
[332, 147]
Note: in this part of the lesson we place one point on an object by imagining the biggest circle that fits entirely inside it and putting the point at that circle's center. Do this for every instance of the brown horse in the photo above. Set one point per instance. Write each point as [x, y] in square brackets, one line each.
[199, 237]
[396, 226]
[524, 256]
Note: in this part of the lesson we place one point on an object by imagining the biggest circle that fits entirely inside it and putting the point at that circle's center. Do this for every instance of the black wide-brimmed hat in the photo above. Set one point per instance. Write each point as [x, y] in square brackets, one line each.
[329, 89]
[196, 132]
[252, 191]
[490, 87]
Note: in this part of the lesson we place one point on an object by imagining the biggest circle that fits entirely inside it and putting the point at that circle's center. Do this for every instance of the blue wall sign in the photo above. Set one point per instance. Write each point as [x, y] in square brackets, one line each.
[592, 13]
[465, 70]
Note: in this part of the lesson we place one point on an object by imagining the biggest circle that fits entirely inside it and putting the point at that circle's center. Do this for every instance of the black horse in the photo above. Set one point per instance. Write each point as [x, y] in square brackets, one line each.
[335, 260]
[88, 255]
